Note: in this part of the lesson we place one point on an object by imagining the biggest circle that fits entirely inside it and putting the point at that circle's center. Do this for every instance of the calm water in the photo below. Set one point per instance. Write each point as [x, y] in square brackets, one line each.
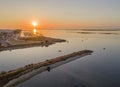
[102, 69]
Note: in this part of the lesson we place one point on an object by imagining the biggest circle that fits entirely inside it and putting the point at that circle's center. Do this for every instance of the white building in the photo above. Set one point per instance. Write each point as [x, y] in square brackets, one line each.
[6, 35]
[4, 44]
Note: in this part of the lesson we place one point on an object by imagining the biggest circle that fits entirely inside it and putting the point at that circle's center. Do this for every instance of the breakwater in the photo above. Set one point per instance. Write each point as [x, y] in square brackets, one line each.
[6, 77]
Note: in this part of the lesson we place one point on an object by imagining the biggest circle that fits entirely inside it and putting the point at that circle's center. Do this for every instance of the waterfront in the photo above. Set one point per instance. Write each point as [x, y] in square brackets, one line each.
[98, 70]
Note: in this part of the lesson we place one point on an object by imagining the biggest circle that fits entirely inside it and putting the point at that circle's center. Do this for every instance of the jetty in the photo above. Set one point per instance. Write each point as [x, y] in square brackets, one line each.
[15, 76]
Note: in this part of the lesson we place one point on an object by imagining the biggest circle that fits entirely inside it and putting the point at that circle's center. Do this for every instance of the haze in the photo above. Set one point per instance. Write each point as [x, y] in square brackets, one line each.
[60, 13]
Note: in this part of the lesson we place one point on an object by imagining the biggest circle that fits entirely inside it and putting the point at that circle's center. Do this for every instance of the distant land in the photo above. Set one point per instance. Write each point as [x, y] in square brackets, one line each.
[118, 29]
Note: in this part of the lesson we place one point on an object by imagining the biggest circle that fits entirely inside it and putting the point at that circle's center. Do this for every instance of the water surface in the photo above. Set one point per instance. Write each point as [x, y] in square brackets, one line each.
[98, 70]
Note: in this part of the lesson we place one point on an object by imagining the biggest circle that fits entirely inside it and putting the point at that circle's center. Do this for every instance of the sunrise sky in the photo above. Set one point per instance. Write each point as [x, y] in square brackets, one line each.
[60, 13]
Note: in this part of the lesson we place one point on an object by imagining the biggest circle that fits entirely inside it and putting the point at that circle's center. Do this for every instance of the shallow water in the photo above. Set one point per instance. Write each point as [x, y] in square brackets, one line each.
[101, 69]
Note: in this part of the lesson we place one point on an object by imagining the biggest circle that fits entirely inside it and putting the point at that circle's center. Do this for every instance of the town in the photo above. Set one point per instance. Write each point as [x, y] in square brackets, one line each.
[20, 38]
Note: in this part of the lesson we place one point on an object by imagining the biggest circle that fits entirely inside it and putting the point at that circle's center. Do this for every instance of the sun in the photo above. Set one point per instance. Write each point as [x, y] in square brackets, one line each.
[34, 23]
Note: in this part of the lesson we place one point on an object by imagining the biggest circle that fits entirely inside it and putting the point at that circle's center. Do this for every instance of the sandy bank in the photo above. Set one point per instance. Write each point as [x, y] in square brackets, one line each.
[14, 77]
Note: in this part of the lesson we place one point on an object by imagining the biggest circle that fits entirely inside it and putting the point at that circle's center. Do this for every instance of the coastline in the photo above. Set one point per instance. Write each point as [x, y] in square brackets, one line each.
[31, 70]
[30, 43]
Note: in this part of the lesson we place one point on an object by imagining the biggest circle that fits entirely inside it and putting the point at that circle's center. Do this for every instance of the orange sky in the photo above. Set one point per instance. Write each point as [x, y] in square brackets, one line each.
[60, 13]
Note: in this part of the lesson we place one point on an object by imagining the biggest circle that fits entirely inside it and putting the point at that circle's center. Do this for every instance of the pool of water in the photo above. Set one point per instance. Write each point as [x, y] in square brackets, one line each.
[101, 69]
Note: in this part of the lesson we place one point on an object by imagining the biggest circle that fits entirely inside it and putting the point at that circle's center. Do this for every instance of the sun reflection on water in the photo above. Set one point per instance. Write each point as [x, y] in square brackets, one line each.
[34, 30]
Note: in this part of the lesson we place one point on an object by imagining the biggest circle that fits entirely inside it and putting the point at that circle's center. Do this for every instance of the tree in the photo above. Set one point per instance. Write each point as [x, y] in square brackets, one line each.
[18, 31]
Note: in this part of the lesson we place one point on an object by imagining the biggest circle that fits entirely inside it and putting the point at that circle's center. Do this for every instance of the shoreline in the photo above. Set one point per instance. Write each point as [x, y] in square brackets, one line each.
[16, 76]
[29, 43]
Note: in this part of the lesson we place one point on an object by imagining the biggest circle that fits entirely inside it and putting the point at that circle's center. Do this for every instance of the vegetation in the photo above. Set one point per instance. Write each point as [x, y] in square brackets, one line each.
[18, 31]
